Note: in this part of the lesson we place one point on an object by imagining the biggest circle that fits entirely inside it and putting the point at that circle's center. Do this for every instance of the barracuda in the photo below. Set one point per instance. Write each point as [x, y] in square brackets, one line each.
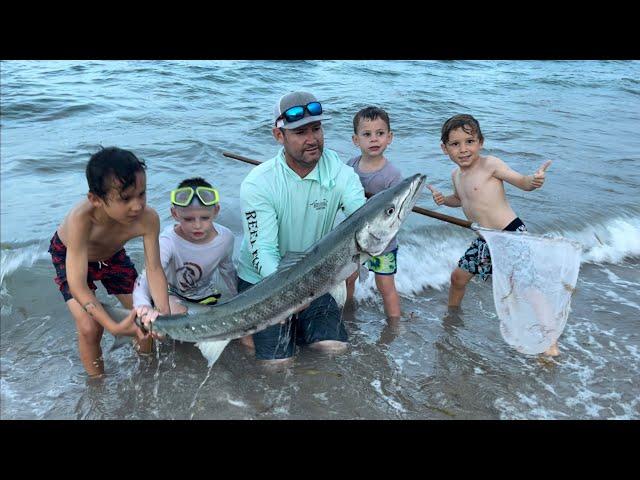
[301, 276]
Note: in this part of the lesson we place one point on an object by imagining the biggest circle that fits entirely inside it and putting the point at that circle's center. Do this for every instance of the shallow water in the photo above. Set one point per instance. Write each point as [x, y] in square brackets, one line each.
[179, 116]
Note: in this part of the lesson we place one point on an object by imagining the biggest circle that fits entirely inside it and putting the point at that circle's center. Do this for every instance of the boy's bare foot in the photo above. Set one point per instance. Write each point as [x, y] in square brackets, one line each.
[143, 347]
[349, 306]
[389, 333]
[452, 319]
[393, 320]
[453, 314]
[552, 351]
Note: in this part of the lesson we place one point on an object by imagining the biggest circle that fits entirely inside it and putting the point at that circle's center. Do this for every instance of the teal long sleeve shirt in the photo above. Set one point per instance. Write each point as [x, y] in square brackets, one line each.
[282, 212]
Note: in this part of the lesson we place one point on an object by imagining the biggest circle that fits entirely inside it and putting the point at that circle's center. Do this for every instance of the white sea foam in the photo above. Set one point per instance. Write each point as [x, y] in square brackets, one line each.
[621, 300]
[7, 393]
[611, 242]
[321, 396]
[236, 403]
[613, 278]
[514, 411]
[586, 367]
[377, 385]
[21, 257]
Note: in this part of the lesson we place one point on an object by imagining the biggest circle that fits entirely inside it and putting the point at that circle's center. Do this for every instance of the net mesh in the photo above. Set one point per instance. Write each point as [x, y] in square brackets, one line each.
[534, 279]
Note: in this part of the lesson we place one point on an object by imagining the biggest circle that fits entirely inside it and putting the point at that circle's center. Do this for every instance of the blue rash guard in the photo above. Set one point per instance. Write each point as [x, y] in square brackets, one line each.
[282, 212]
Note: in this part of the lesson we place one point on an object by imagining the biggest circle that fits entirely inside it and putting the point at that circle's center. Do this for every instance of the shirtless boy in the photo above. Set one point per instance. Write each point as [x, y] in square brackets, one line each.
[478, 188]
[88, 246]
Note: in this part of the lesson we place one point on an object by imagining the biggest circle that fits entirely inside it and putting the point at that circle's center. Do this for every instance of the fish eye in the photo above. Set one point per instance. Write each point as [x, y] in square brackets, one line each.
[390, 210]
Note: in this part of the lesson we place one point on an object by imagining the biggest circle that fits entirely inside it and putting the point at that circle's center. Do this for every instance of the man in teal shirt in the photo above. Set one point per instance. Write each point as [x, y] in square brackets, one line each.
[289, 203]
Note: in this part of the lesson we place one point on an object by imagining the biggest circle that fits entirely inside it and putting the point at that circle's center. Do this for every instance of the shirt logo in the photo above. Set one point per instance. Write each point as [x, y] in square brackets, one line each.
[319, 205]
[188, 275]
[252, 223]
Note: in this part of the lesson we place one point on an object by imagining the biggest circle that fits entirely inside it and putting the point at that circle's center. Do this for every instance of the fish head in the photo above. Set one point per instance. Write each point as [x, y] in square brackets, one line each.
[381, 217]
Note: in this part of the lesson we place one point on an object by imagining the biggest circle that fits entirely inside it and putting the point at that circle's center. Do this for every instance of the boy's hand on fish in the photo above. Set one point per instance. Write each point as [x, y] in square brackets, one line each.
[146, 314]
[128, 328]
[538, 178]
[437, 196]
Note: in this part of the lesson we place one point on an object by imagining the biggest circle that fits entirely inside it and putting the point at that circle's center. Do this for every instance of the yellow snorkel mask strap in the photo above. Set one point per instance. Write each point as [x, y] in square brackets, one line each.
[183, 197]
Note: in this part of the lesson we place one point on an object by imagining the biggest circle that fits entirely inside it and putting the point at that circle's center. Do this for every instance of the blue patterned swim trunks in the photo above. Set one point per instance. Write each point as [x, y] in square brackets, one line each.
[477, 259]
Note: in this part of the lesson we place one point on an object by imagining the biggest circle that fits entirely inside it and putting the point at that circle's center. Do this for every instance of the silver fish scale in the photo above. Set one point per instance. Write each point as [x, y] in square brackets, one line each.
[329, 261]
[274, 299]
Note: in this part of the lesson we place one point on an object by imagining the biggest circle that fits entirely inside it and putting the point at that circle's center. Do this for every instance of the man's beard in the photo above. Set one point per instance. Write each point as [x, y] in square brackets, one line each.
[302, 162]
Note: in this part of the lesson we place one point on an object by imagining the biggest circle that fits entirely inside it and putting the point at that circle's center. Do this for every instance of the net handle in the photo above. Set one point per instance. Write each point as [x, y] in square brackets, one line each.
[420, 210]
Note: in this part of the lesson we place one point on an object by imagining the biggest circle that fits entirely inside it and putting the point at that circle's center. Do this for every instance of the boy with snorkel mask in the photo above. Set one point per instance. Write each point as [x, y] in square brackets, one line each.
[192, 250]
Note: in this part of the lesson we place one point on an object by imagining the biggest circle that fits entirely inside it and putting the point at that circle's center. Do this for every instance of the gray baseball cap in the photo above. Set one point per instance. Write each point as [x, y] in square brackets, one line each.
[294, 99]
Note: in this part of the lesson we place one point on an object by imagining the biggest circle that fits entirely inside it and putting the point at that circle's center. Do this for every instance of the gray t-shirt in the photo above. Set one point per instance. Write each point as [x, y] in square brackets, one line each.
[374, 182]
[192, 269]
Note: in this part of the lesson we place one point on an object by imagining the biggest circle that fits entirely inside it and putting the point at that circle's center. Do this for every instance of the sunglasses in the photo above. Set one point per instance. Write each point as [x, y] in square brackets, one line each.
[183, 196]
[296, 113]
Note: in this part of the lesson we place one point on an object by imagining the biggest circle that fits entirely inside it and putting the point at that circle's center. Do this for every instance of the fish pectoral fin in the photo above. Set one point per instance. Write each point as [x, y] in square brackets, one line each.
[339, 293]
[363, 270]
[363, 273]
[212, 349]
[289, 260]
[362, 258]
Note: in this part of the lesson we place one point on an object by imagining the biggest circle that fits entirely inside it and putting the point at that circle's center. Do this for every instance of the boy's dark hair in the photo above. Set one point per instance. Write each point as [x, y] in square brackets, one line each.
[468, 124]
[194, 183]
[370, 113]
[109, 164]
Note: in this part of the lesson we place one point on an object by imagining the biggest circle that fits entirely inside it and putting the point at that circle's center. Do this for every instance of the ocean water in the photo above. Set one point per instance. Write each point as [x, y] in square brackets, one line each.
[181, 115]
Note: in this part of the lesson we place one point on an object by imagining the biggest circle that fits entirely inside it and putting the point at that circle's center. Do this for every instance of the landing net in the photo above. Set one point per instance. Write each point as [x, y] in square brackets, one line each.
[534, 278]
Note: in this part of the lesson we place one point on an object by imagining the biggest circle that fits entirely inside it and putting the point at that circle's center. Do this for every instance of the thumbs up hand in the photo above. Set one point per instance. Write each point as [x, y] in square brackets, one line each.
[538, 177]
[437, 196]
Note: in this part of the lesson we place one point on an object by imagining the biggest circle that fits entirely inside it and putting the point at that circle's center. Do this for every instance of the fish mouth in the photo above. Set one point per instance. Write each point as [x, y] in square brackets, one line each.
[410, 199]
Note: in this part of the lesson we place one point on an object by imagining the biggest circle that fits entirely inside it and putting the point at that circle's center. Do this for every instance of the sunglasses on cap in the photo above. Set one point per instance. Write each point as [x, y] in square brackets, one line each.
[184, 196]
[295, 113]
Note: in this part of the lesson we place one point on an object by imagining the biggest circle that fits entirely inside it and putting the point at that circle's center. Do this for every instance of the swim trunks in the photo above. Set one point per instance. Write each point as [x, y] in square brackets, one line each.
[117, 274]
[385, 264]
[477, 259]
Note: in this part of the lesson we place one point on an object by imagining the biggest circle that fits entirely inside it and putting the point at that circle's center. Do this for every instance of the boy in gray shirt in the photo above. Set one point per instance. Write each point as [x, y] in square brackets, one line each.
[372, 134]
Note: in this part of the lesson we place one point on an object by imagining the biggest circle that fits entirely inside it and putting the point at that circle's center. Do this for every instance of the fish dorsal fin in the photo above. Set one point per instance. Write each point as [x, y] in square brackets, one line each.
[289, 260]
